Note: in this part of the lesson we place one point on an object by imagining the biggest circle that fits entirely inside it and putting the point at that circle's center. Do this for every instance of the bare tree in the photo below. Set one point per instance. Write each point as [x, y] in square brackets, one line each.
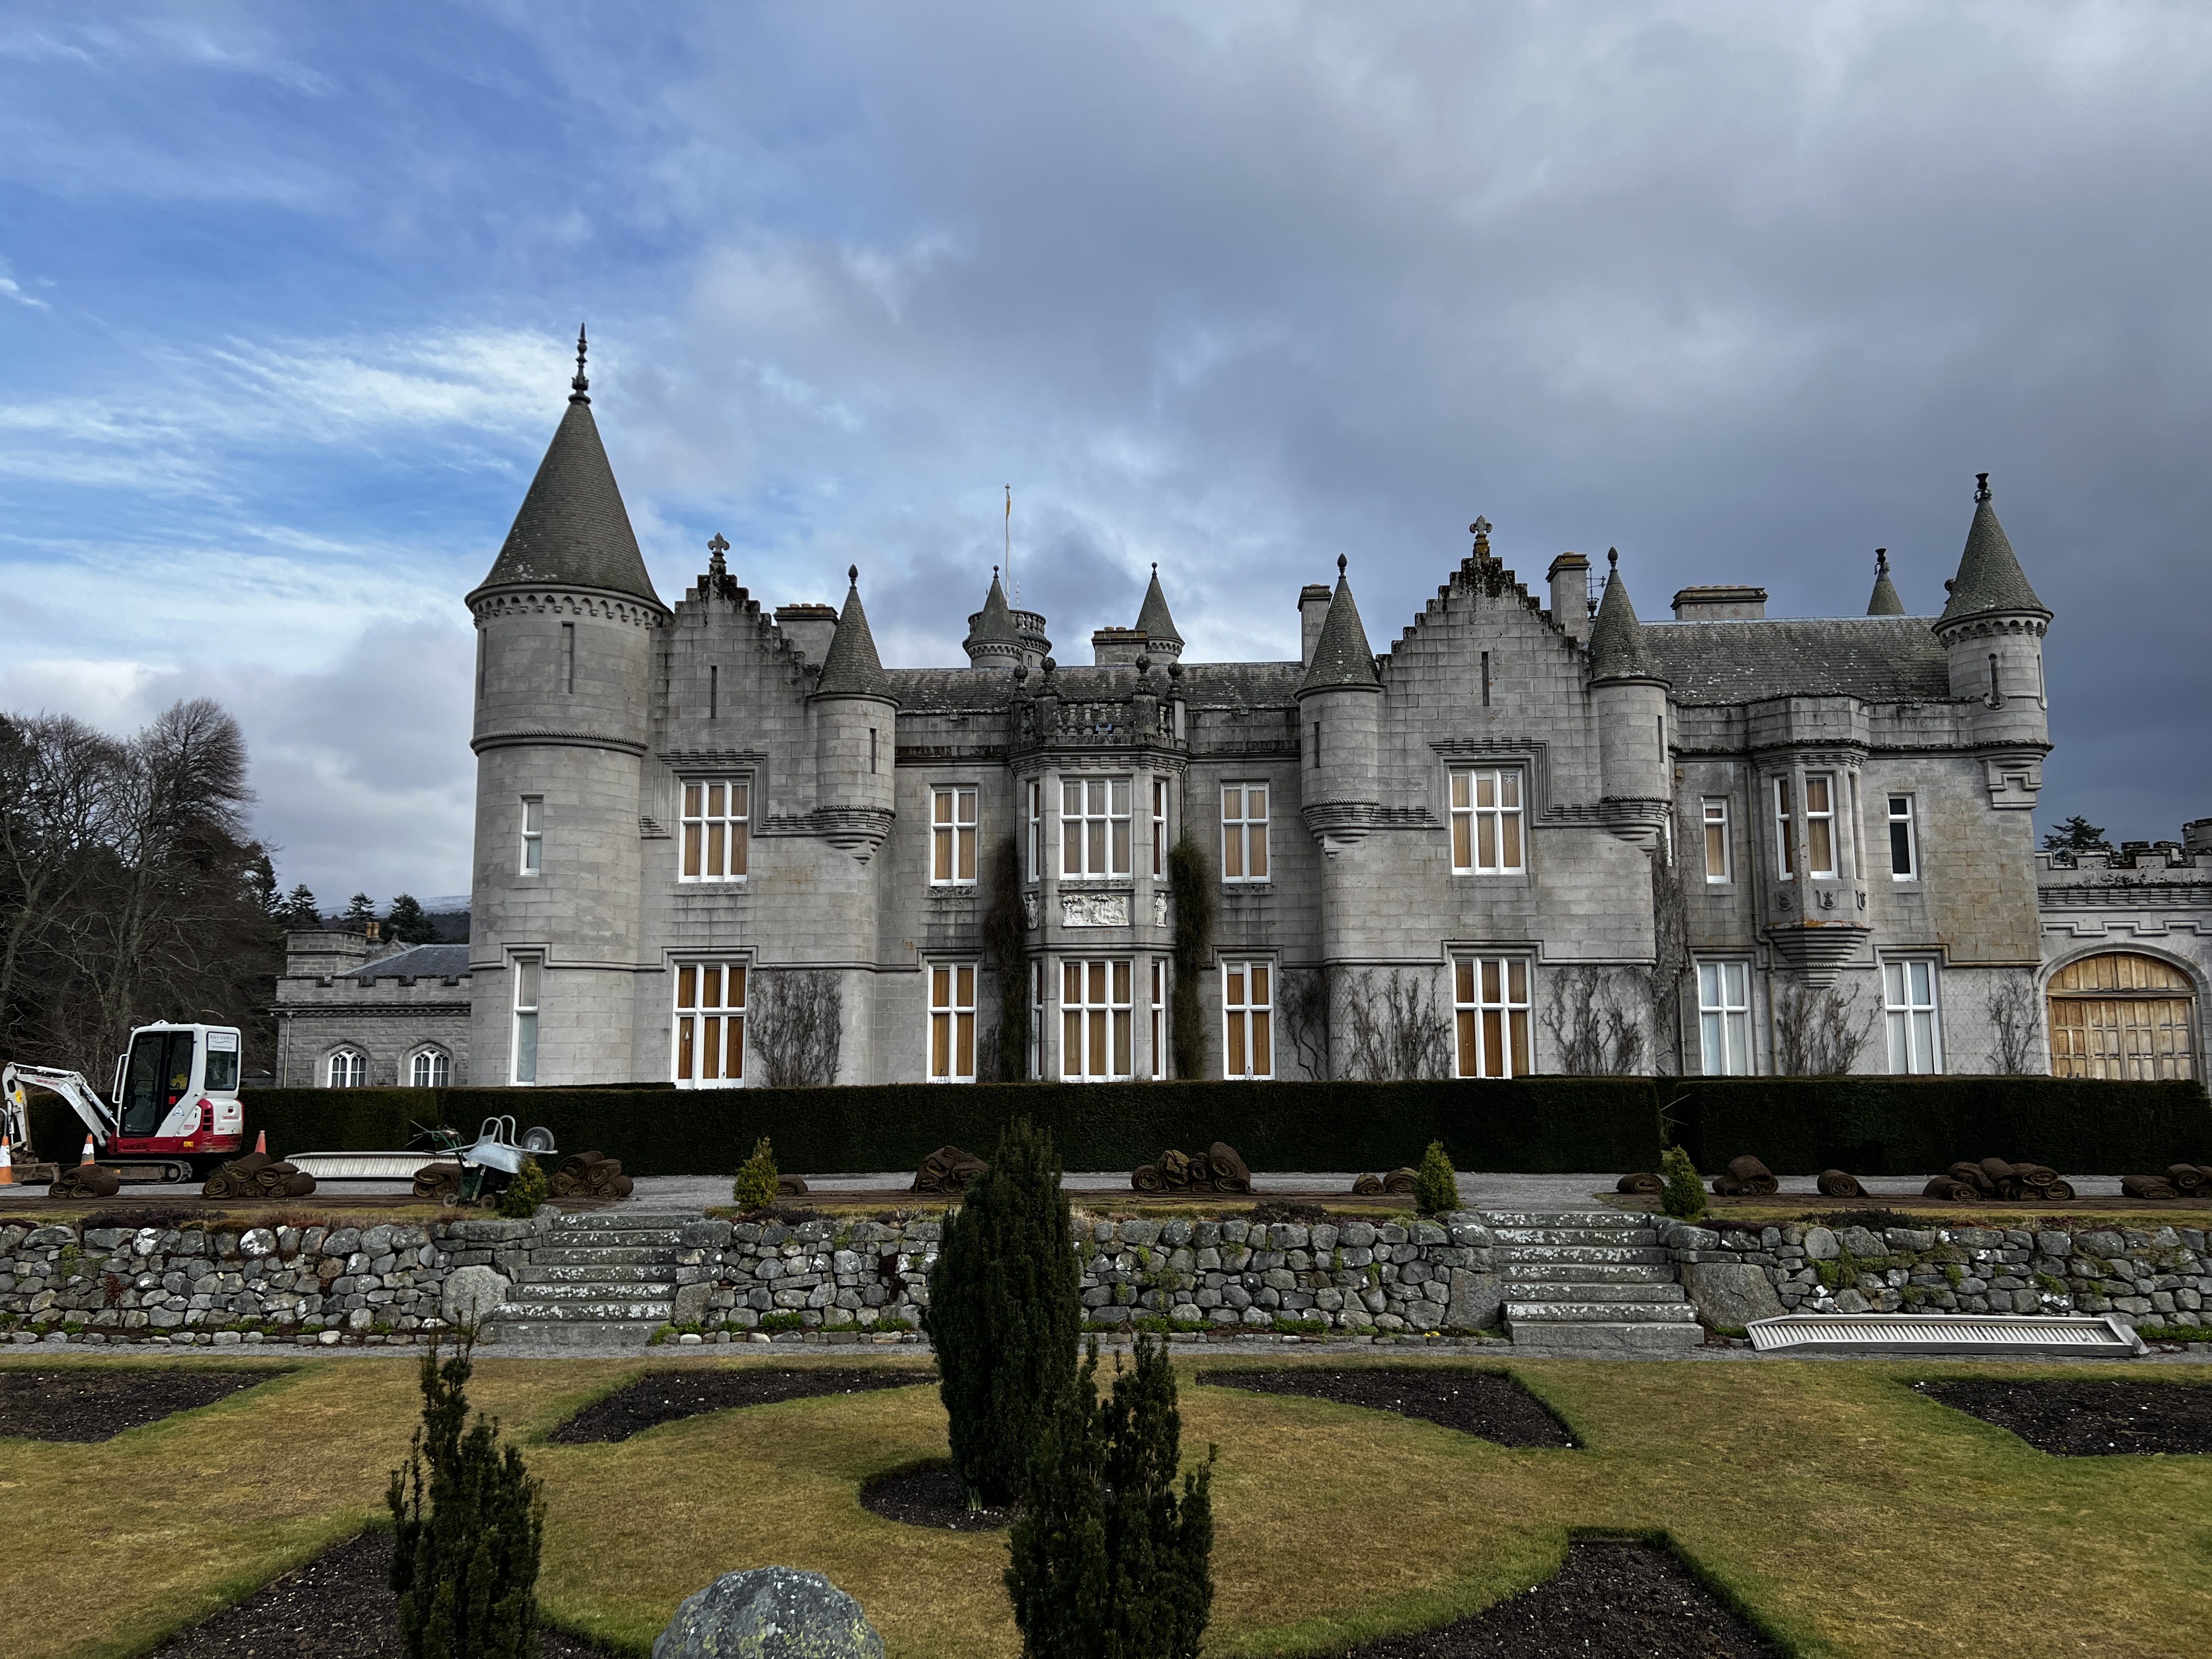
[798, 1019]
[1594, 1033]
[1818, 1031]
[1393, 1027]
[2015, 1029]
[1301, 1016]
[59, 782]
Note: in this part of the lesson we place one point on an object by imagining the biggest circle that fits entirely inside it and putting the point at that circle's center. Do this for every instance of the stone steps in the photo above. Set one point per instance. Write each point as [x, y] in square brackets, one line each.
[596, 1272]
[602, 1282]
[1574, 1235]
[597, 1255]
[1527, 1292]
[1649, 1254]
[1593, 1281]
[1588, 1273]
[1584, 1313]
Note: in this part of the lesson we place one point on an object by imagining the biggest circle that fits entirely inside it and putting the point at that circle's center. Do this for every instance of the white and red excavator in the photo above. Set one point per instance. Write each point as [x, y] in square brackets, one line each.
[174, 1113]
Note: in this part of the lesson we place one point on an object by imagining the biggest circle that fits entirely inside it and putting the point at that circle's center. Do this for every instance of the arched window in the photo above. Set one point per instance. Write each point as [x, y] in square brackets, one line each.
[430, 1069]
[2123, 1017]
[348, 1069]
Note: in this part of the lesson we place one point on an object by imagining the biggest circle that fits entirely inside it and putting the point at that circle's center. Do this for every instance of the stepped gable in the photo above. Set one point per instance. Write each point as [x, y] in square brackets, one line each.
[1341, 656]
[1990, 577]
[1873, 659]
[1617, 650]
[1481, 572]
[1885, 602]
[717, 584]
[853, 669]
[572, 528]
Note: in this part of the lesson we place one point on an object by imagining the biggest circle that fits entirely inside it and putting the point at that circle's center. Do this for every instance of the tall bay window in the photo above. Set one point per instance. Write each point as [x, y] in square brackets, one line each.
[528, 970]
[1486, 820]
[1908, 1006]
[952, 1021]
[1244, 832]
[1094, 826]
[1724, 1017]
[1715, 816]
[1033, 800]
[717, 829]
[1159, 826]
[710, 1024]
[1158, 1032]
[1094, 1021]
[1819, 825]
[952, 837]
[1248, 1009]
[1040, 972]
[1490, 1016]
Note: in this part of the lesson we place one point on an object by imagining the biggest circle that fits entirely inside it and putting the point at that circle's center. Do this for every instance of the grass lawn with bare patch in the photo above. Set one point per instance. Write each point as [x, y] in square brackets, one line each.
[1845, 1513]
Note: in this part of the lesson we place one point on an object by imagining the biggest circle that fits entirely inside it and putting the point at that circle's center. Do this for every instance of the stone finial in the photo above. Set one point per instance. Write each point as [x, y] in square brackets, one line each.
[1981, 486]
[852, 575]
[716, 564]
[579, 388]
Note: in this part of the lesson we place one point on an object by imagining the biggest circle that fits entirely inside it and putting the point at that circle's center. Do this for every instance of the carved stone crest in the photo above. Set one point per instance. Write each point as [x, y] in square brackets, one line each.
[1094, 910]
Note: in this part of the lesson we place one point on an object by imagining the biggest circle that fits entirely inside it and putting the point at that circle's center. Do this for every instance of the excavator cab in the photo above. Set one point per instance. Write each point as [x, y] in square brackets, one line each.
[177, 1091]
[157, 1074]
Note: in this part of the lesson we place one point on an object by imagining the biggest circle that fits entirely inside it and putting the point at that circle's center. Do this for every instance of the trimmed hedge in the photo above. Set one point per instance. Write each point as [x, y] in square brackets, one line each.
[1893, 1126]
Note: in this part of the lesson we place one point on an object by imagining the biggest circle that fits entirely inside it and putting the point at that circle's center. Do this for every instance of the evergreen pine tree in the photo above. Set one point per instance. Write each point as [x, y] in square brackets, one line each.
[755, 1187]
[360, 911]
[465, 1563]
[1435, 1184]
[1685, 1195]
[1107, 1562]
[301, 913]
[1004, 1314]
[407, 923]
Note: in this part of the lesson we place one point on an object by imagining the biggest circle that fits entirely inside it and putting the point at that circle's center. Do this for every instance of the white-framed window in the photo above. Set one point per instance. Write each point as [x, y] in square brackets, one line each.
[1159, 1016]
[1094, 826]
[1248, 1008]
[1904, 840]
[1908, 1006]
[1714, 814]
[1094, 1020]
[533, 835]
[1486, 820]
[1724, 1017]
[348, 1069]
[1038, 972]
[1159, 826]
[430, 1068]
[1490, 1016]
[717, 829]
[1819, 826]
[952, 1021]
[528, 970]
[952, 837]
[1033, 791]
[1244, 832]
[710, 1024]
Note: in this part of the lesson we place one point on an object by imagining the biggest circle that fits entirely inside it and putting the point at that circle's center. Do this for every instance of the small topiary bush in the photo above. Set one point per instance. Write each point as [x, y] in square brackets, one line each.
[525, 1193]
[754, 1188]
[1435, 1183]
[1685, 1197]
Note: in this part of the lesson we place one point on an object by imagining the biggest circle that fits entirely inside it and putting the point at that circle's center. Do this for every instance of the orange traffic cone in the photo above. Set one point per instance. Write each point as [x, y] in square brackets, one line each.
[261, 1143]
[7, 1163]
[87, 1158]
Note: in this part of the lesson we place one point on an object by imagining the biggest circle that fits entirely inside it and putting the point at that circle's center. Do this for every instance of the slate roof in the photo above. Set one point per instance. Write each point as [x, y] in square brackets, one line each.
[1874, 659]
[421, 962]
[573, 526]
[852, 668]
[1152, 618]
[1342, 655]
[1616, 642]
[1990, 577]
[994, 622]
[1885, 602]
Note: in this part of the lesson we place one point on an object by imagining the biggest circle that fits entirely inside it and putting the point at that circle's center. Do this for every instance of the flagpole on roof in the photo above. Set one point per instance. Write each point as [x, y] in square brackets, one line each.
[1012, 584]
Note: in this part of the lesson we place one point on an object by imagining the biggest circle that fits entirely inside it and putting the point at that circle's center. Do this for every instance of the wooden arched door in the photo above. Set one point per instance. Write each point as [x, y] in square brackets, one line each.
[2124, 1016]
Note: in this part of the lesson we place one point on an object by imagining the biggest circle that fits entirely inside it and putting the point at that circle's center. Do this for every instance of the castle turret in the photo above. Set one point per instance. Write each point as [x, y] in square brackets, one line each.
[1992, 629]
[1628, 698]
[855, 734]
[1885, 602]
[993, 640]
[1341, 712]
[568, 624]
[1162, 641]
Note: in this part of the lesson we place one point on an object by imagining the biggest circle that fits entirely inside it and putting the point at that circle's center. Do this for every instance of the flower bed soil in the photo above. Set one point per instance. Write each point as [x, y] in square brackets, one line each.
[931, 1497]
[85, 1405]
[2083, 1419]
[339, 1606]
[1613, 1599]
[666, 1396]
[1481, 1403]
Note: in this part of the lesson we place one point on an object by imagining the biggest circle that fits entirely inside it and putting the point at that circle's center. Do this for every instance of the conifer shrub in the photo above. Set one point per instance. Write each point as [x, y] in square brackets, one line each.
[1685, 1196]
[1108, 1562]
[471, 1522]
[525, 1193]
[1435, 1183]
[1004, 1314]
[754, 1188]
[1193, 892]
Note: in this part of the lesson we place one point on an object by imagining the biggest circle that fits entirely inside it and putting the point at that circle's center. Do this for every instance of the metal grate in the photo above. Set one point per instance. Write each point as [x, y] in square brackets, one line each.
[365, 1166]
[1938, 1333]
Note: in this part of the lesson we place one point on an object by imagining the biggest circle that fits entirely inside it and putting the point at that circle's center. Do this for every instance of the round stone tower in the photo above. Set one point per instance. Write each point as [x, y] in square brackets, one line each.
[1992, 629]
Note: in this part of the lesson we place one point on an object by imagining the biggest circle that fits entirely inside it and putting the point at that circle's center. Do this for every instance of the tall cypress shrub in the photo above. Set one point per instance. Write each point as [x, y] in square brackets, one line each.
[471, 1522]
[1004, 1314]
[1107, 1562]
[1007, 935]
[1193, 889]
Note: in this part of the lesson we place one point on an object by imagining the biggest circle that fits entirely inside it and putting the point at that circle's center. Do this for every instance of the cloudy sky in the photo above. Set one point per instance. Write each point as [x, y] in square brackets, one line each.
[286, 296]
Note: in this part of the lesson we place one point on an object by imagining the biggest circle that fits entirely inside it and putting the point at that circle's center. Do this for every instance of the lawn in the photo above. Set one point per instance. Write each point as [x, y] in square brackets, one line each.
[1845, 1513]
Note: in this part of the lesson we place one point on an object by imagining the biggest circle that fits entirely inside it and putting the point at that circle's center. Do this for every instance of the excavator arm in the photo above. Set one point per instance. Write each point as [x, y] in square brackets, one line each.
[16, 1078]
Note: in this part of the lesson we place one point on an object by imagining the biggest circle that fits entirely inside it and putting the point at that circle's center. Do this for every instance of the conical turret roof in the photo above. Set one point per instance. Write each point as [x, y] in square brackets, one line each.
[852, 668]
[1616, 642]
[1885, 602]
[1153, 621]
[1990, 577]
[1341, 656]
[994, 622]
[573, 527]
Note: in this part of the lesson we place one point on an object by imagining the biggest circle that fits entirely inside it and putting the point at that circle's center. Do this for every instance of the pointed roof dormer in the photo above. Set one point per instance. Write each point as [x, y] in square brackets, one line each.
[1616, 643]
[1885, 602]
[1157, 627]
[1341, 659]
[572, 528]
[993, 637]
[1990, 578]
[852, 669]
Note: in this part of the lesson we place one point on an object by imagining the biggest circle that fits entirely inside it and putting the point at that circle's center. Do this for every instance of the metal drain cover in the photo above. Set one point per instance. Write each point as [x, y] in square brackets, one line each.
[1994, 1334]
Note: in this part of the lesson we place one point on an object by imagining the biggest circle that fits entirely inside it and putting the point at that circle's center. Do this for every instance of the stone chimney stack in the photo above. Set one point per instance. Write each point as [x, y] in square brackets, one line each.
[1313, 612]
[1570, 579]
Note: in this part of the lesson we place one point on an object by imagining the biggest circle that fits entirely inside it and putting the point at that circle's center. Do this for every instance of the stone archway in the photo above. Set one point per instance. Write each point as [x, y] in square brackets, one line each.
[2125, 1016]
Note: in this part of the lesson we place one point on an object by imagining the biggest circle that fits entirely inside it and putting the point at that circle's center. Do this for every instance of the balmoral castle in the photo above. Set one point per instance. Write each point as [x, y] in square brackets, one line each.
[1538, 834]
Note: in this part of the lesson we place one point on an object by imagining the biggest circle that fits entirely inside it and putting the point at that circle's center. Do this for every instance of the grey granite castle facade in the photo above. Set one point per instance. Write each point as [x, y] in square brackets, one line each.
[1536, 835]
